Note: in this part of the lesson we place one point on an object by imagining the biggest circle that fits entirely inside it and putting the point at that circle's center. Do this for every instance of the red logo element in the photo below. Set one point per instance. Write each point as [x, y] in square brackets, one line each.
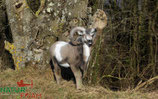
[21, 84]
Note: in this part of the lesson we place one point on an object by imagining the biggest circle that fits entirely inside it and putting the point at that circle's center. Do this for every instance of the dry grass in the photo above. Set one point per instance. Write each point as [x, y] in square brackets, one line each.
[43, 82]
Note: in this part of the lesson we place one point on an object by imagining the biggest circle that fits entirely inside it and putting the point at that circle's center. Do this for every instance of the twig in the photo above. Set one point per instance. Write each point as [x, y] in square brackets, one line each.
[148, 82]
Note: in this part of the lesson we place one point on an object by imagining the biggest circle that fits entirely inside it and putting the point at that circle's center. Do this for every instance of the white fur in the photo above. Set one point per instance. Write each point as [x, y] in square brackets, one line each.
[65, 65]
[89, 37]
[92, 31]
[58, 54]
[86, 52]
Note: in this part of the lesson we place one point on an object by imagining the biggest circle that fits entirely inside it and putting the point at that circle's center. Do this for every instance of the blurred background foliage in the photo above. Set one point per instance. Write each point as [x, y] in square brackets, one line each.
[126, 55]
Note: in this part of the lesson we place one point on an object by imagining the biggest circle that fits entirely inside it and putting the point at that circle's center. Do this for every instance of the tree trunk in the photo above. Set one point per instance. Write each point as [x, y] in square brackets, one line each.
[20, 19]
[34, 24]
[5, 59]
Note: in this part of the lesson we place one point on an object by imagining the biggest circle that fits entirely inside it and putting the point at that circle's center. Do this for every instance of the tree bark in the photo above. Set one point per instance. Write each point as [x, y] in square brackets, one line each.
[33, 30]
[20, 19]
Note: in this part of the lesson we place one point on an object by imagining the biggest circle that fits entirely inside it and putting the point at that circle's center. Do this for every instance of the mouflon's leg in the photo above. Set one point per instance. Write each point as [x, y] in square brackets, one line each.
[78, 76]
[57, 72]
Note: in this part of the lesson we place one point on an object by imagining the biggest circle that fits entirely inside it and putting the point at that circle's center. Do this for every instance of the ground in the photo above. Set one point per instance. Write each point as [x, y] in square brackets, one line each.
[44, 84]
